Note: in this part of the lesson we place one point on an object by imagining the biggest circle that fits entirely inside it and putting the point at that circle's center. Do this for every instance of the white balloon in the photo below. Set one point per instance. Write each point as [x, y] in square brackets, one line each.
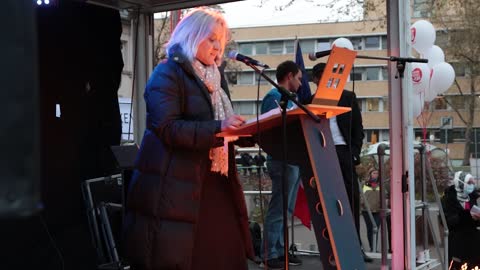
[434, 55]
[417, 104]
[343, 43]
[429, 95]
[420, 77]
[442, 78]
[422, 35]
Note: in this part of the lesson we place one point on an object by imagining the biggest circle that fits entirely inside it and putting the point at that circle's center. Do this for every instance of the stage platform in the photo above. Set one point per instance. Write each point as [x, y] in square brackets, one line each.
[313, 263]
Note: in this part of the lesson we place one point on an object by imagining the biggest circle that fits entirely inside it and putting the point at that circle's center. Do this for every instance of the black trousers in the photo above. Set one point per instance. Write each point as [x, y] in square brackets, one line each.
[349, 174]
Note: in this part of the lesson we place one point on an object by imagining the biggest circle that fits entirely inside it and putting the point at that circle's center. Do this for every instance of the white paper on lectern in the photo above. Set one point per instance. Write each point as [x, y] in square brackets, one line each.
[262, 116]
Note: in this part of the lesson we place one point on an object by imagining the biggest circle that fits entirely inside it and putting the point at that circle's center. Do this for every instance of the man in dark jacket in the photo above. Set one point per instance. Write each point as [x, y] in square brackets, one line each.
[347, 134]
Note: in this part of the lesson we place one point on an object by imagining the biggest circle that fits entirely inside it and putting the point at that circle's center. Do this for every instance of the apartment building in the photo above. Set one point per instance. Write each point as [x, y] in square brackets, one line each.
[274, 44]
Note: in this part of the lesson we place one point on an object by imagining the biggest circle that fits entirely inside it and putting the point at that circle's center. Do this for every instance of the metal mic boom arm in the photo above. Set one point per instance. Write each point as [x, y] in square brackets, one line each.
[400, 61]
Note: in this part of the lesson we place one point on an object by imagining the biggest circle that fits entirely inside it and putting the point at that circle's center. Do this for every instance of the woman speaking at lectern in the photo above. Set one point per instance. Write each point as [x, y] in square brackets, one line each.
[185, 205]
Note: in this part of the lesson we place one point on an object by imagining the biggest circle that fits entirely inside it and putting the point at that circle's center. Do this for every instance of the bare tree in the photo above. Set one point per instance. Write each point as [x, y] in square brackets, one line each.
[162, 34]
[460, 20]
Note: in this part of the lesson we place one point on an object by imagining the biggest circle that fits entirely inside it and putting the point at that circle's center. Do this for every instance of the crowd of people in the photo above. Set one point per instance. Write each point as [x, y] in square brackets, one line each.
[169, 220]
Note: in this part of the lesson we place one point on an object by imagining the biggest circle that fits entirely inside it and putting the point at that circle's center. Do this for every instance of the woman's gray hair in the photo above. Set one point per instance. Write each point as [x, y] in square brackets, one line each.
[195, 27]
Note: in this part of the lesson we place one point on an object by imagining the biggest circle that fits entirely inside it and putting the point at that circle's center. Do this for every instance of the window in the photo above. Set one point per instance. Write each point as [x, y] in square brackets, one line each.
[384, 73]
[323, 44]
[244, 107]
[308, 45]
[384, 43]
[231, 77]
[246, 48]
[385, 104]
[125, 55]
[457, 102]
[357, 43]
[261, 48]
[373, 73]
[270, 74]
[439, 104]
[372, 42]
[290, 46]
[361, 104]
[372, 135]
[384, 135]
[441, 39]
[458, 134]
[373, 104]
[459, 68]
[421, 8]
[245, 78]
[276, 47]
[356, 74]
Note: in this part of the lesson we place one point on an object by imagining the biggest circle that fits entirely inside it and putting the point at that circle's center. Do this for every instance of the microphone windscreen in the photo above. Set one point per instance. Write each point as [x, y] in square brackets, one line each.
[312, 56]
[232, 54]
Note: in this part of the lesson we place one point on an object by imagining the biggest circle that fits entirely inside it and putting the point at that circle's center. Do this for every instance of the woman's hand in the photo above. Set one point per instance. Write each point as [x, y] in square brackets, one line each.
[232, 122]
[475, 216]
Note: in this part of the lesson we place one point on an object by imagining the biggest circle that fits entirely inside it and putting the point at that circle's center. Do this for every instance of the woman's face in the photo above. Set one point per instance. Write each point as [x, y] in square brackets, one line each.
[209, 48]
[374, 175]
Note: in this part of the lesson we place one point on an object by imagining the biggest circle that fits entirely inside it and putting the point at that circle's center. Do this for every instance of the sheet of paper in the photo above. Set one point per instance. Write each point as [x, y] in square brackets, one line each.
[475, 209]
[263, 116]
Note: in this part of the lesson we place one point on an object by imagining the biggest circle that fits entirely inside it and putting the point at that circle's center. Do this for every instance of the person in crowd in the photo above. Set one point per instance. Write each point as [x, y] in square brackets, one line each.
[259, 160]
[247, 162]
[347, 134]
[460, 206]
[185, 205]
[289, 77]
[371, 192]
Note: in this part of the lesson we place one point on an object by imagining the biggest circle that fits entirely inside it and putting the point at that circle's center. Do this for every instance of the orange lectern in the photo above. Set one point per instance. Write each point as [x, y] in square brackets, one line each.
[310, 145]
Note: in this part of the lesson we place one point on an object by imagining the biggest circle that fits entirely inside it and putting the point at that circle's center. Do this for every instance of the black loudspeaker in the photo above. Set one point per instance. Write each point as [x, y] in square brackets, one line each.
[19, 136]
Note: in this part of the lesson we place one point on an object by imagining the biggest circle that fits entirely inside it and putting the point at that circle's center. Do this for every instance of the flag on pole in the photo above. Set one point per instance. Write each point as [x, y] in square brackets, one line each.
[304, 94]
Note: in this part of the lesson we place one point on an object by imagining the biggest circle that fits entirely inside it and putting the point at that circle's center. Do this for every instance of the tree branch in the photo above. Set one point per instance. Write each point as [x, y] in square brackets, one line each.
[455, 109]
[458, 86]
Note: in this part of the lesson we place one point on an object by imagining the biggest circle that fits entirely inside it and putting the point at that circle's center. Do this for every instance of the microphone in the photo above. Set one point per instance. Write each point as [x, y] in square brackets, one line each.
[245, 59]
[316, 55]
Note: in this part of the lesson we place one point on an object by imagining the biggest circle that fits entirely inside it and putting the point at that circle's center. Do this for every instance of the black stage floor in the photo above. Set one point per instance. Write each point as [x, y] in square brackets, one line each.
[313, 263]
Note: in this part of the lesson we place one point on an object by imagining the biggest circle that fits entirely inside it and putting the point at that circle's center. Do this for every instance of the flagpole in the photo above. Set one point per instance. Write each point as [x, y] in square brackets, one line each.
[293, 248]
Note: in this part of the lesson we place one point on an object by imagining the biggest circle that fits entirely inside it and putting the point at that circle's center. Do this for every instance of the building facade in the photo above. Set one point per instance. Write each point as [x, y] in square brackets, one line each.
[368, 79]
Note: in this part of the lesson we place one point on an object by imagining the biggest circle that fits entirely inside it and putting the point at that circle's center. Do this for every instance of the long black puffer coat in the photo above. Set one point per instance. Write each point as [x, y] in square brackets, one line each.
[464, 237]
[163, 198]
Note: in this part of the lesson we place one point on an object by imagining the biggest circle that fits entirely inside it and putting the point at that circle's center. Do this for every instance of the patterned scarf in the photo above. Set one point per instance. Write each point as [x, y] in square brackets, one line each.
[459, 181]
[222, 109]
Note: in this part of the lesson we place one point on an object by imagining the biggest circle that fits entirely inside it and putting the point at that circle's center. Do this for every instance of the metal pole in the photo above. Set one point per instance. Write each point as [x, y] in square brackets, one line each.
[383, 205]
[446, 145]
[442, 218]
[476, 151]
[424, 197]
[401, 135]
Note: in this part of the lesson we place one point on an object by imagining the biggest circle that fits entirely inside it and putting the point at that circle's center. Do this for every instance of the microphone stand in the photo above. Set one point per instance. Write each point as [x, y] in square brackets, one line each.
[286, 96]
[400, 61]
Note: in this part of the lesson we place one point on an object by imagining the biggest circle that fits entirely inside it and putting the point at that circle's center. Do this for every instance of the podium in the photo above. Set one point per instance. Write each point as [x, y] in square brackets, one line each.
[310, 146]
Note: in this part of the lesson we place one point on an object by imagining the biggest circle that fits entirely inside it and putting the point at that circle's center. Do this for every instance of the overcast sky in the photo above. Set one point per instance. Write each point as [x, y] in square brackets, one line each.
[249, 13]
